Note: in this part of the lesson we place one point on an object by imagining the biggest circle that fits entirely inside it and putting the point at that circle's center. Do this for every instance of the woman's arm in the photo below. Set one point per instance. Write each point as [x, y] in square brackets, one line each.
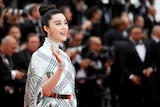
[50, 83]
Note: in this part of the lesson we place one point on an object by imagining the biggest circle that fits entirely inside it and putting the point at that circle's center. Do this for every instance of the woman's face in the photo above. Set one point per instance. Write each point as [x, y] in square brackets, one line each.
[58, 28]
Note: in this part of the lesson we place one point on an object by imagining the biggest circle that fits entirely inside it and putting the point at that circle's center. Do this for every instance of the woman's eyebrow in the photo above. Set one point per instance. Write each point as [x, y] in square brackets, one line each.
[57, 21]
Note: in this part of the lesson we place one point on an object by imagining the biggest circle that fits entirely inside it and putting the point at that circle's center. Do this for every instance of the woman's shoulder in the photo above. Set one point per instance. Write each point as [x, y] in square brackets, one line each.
[42, 53]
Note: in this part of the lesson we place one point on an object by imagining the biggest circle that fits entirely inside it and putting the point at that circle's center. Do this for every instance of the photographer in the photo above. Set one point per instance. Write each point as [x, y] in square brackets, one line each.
[91, 75]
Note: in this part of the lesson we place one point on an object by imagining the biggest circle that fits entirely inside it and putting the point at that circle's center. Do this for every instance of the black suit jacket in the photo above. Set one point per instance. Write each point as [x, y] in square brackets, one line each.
[110, 36]
[157, 74]
[116, 68]
[151, 56]
[23, 60]
[149, 24]
[26, 28]
[131, 62]
[130, 93]
[5, 76]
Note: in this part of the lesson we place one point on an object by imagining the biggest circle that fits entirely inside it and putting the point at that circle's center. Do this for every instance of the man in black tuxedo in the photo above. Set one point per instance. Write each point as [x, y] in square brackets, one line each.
[8, 75]
[134, 86]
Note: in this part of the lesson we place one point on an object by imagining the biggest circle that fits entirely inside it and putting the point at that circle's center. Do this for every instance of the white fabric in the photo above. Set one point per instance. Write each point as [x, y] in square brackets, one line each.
[141, 50]
[13, 73]
[43, 63]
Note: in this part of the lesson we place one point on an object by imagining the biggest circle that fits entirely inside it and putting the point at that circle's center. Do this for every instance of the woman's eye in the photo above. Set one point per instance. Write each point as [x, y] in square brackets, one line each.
[58, 23]
[66, 23]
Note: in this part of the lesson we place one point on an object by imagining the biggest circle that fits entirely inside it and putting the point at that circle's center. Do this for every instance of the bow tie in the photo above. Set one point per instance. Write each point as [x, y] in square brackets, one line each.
[139, 43]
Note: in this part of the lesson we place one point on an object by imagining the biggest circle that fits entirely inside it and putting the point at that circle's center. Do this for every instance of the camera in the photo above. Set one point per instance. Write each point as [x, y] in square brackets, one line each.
[107, 54]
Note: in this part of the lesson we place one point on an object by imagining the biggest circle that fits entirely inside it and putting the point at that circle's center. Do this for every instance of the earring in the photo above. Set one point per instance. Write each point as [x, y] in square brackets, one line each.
[48, 34]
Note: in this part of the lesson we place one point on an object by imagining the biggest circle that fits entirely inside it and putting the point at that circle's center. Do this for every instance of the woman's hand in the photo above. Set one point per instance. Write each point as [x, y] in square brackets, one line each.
[58, 57]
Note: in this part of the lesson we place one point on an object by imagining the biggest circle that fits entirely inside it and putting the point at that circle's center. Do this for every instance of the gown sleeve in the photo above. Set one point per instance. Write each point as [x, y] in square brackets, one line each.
[35, 77]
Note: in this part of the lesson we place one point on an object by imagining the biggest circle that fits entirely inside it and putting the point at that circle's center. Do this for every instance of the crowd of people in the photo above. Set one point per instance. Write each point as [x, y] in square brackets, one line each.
[113, 45]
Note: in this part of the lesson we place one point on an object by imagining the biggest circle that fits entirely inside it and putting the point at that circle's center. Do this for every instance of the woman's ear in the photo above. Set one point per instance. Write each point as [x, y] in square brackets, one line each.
[46, 28]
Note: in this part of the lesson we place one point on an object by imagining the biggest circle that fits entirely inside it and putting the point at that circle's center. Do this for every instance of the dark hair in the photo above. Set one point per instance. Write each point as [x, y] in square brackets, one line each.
[136, 17]
[116, 22]
[8, 28]
[90, 11]
[135, 26]
[46, 11]
[63, 8]
[30, 35]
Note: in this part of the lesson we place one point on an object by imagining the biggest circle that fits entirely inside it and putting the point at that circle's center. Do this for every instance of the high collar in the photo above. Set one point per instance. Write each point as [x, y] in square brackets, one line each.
[52, 43]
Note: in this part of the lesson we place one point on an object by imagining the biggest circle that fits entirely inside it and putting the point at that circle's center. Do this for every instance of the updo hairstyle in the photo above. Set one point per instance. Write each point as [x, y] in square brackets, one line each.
[46, 11]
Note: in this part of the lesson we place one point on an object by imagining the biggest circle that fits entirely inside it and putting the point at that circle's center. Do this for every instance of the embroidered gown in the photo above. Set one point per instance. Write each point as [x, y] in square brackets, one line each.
[43, 63]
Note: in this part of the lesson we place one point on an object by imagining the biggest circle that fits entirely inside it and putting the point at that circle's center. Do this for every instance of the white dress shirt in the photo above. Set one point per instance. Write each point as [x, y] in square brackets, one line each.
[141, 50]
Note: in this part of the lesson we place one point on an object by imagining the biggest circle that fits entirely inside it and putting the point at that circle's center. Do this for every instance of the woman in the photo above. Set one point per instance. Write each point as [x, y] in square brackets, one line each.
[51, 75]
